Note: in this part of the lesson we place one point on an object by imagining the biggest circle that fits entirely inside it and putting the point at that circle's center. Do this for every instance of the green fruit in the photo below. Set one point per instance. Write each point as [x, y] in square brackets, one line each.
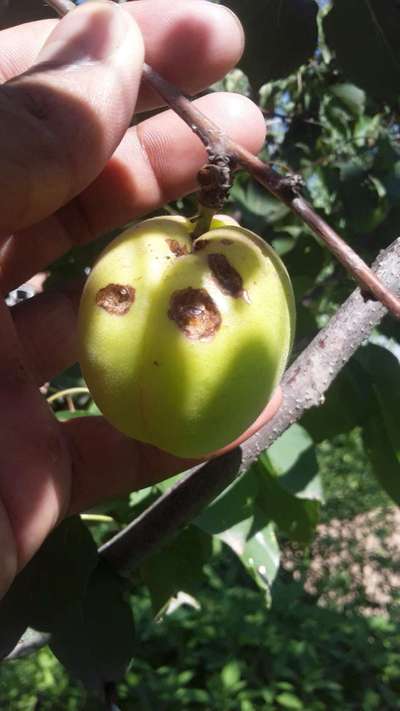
[183, 344]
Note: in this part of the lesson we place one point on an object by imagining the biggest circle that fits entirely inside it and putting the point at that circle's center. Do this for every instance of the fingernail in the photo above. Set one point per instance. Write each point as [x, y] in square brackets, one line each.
[90, 33]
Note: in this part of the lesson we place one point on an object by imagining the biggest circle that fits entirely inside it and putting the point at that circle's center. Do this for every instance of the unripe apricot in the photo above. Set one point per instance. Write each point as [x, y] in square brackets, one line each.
[182, 344]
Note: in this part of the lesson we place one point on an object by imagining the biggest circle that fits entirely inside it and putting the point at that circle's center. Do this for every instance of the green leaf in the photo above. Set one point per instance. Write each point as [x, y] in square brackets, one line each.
[383, 369]
[94, 639]
[280, 36]
[364, 199]
[233, 505]
[260, 554]
[255, 544]
[29, 641]
[385, 463]
[381, 428]
[65, 415]
[365, 37]
[351, 96]
[292, 458]
[305, 260]
[236, 519]
[349, 396]
[322, 183]
[59, 572]
[289, 701]
[231, 674]
[56, 576]
[177, 567]
[257, 201]
[13, 619]
[290, 488]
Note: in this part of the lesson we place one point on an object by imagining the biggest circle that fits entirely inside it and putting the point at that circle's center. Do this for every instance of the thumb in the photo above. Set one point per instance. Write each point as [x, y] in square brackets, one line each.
[62, 120]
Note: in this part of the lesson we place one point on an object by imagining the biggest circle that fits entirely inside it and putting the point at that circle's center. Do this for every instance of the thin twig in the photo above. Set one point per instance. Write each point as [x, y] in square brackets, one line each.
[281, 187]
[284, 188]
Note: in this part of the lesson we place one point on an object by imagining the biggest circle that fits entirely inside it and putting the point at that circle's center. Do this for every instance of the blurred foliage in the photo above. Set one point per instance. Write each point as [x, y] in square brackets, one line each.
[231, 653]
[349, 485]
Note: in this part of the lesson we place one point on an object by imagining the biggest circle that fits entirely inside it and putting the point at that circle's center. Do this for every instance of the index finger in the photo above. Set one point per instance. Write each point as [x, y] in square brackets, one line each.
[192, 43]
[107, 464]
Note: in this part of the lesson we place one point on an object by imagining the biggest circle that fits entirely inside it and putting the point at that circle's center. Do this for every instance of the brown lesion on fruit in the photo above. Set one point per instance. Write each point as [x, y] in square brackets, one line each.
[227, 242]
[195, 313]
[200, 244]
[180, 250]
[227, 277]
[116, 298]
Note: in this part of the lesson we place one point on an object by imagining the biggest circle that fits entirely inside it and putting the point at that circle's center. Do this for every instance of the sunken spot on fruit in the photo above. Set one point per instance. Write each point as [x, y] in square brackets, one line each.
[195, 313]
[116, 298]
[226, 276]
[176, 248]
[200, 244]
[227, 242]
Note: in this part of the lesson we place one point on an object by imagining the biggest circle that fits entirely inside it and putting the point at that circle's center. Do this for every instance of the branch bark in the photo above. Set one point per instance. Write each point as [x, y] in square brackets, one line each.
[303, 387]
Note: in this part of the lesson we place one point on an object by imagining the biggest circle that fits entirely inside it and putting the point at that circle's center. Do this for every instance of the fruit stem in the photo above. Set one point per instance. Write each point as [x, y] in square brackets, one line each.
[202, 221]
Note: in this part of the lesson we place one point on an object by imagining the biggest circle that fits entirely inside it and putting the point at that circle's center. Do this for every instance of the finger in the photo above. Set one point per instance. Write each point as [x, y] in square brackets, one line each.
[20, 46]
[193, 44]
[264, 417]
[62, 120]
[97, 449]
[156, 162]
[106, 464]
[34, 470]
[46, 328]
[8, 555]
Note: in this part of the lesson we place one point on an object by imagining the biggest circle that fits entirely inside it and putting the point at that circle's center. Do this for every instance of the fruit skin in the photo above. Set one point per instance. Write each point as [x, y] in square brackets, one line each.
[176, 350]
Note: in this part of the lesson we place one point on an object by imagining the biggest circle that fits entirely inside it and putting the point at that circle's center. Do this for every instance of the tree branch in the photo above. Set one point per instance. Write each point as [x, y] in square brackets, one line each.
[285, 188]
[303, 387]
[171, 512]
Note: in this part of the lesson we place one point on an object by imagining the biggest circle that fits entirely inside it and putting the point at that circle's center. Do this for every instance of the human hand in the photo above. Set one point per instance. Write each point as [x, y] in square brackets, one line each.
[70, 170]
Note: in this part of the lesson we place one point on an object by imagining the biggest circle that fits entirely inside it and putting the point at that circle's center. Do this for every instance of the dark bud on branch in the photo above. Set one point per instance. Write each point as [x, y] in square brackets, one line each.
[292, 185]
[215, 181]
